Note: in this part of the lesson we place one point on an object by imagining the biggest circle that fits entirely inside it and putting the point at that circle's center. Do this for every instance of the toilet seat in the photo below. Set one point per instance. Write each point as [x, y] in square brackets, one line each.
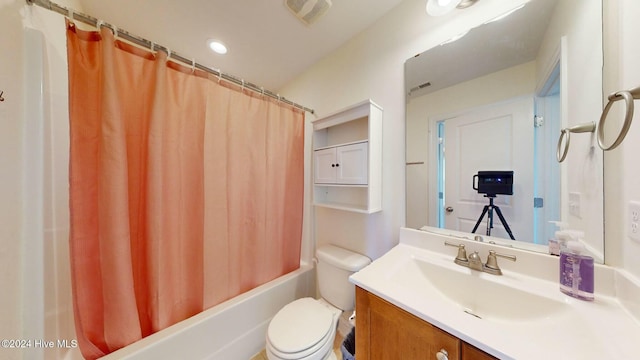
[302, 330]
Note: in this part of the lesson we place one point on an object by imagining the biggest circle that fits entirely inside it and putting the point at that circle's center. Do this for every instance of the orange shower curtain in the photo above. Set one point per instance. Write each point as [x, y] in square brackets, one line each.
[184, 191]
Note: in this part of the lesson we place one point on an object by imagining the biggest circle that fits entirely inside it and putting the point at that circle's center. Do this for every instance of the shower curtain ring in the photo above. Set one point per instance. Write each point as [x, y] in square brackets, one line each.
[193, 65]
[1, 93]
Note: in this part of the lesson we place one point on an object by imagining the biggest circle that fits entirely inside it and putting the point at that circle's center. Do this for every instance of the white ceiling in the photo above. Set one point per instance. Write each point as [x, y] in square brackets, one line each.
[268, 45]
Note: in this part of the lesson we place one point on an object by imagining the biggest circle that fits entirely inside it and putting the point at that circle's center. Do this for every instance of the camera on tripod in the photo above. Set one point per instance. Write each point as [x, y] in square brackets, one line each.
[493, 182]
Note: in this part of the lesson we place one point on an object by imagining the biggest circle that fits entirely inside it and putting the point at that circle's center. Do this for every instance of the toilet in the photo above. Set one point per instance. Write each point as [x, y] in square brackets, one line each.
[305, 329]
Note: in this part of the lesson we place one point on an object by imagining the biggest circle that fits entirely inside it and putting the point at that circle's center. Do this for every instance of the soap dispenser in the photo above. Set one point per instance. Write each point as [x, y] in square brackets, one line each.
[576, 271]
[559, 240]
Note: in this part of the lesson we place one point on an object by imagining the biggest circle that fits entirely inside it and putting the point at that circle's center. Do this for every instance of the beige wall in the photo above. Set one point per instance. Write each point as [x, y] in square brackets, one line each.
[371, 65]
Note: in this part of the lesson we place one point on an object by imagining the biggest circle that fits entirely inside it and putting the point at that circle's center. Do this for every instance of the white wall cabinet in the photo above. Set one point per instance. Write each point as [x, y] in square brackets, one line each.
[346, 164]
[347, 159]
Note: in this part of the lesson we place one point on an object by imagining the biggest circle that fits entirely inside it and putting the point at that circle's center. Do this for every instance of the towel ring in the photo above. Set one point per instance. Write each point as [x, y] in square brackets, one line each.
[561, 151]
[628, 97]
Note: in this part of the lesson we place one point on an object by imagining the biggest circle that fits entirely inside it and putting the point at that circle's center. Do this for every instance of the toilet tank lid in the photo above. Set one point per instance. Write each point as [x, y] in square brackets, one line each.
[342, 258]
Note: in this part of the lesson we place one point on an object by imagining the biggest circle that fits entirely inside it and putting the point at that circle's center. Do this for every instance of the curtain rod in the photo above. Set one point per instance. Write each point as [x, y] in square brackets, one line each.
[89, 20]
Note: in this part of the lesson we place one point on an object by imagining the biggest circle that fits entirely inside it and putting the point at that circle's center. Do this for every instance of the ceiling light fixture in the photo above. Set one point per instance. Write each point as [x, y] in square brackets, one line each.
[217, 47]
[442, 7]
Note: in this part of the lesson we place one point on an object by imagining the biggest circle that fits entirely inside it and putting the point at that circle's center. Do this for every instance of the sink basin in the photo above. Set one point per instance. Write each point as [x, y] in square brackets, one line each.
[519, 315]
[486, 296]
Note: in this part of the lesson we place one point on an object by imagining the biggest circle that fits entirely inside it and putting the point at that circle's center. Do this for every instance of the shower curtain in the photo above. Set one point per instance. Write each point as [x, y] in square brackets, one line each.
[184, 191]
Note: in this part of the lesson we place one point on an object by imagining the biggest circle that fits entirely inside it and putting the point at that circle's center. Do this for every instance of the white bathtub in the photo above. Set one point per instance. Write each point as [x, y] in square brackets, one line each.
[233, 330]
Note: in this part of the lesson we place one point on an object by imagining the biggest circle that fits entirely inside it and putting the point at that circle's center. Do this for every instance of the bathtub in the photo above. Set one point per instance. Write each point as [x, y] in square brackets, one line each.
[232, 330]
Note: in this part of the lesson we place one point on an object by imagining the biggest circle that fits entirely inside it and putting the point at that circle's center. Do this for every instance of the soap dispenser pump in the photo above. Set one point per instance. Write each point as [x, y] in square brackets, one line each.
[559, 239]
[576, 271]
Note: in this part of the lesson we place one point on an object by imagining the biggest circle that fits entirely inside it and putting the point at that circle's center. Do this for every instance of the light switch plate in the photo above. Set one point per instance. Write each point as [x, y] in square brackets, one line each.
[633, 227]
[574, 204]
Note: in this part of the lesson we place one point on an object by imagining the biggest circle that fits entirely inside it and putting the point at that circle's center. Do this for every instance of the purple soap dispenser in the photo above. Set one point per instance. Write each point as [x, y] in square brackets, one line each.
[576, 271]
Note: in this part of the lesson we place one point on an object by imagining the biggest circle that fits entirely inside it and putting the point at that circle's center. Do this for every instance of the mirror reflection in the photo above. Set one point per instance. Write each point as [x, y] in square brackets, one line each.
[484, 114]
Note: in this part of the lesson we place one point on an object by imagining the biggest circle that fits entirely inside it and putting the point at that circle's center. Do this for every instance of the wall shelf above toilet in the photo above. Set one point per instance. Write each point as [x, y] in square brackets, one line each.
[347, 159]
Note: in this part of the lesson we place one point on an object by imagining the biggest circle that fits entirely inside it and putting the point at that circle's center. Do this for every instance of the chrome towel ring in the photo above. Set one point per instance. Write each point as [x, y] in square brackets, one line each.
[628, 96]
[565, 134]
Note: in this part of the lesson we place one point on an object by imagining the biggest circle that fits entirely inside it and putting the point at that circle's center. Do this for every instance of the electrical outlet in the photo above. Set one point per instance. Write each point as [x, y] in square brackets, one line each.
[634, 221]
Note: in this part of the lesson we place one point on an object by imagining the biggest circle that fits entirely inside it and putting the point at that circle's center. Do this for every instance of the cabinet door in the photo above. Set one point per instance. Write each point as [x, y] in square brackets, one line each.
[351, 162]
[325, 166]
[386, 332]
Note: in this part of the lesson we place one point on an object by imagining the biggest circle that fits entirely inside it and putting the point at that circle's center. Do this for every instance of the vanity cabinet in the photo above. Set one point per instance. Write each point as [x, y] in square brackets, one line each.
[384, 331]
[347, 159]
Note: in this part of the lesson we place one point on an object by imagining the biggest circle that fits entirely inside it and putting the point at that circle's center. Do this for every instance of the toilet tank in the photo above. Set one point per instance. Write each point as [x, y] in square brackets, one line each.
[335, 265]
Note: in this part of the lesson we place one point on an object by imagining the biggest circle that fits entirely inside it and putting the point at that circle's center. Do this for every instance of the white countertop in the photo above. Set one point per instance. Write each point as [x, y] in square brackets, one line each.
[606, 328]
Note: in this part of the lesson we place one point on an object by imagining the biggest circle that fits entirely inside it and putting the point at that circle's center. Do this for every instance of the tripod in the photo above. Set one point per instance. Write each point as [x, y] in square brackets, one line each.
[489, 209]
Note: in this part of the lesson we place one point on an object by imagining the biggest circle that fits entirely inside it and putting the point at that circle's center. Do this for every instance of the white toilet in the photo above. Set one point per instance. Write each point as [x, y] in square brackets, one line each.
[306, 328]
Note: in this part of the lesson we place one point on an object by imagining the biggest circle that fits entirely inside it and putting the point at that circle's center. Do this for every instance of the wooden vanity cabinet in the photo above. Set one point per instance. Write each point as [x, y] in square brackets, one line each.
[384, 331]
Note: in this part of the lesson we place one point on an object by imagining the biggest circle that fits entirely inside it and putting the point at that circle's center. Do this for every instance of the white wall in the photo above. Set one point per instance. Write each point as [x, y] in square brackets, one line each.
[622, 174]
[11, 132]
[35, 281]
[58, 309]
[578, 22]
[371, 65]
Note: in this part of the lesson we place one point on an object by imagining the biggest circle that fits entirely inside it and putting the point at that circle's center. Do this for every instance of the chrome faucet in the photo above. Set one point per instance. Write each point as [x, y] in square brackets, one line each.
[491, 266]
[461, 258]
[475, 262]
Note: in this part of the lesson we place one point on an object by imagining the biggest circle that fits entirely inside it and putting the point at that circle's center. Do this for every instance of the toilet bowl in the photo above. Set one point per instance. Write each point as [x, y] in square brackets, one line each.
[305, 329]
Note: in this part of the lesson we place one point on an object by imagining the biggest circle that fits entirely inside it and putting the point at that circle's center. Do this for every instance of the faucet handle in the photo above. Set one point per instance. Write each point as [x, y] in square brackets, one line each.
[492, 262]
[461, 258]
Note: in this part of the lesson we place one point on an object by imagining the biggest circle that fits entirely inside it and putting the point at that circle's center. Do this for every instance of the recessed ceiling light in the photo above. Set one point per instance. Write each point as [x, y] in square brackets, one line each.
[217, 47]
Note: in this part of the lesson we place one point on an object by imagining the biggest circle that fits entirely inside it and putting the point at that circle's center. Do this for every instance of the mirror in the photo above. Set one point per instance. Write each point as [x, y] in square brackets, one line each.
[491, 104]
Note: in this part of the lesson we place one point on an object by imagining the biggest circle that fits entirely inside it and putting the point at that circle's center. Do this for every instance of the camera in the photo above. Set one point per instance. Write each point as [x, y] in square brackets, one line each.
[493, 182]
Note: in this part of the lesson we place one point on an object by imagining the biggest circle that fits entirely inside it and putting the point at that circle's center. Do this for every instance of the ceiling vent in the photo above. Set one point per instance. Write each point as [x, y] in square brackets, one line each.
[308, 11]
